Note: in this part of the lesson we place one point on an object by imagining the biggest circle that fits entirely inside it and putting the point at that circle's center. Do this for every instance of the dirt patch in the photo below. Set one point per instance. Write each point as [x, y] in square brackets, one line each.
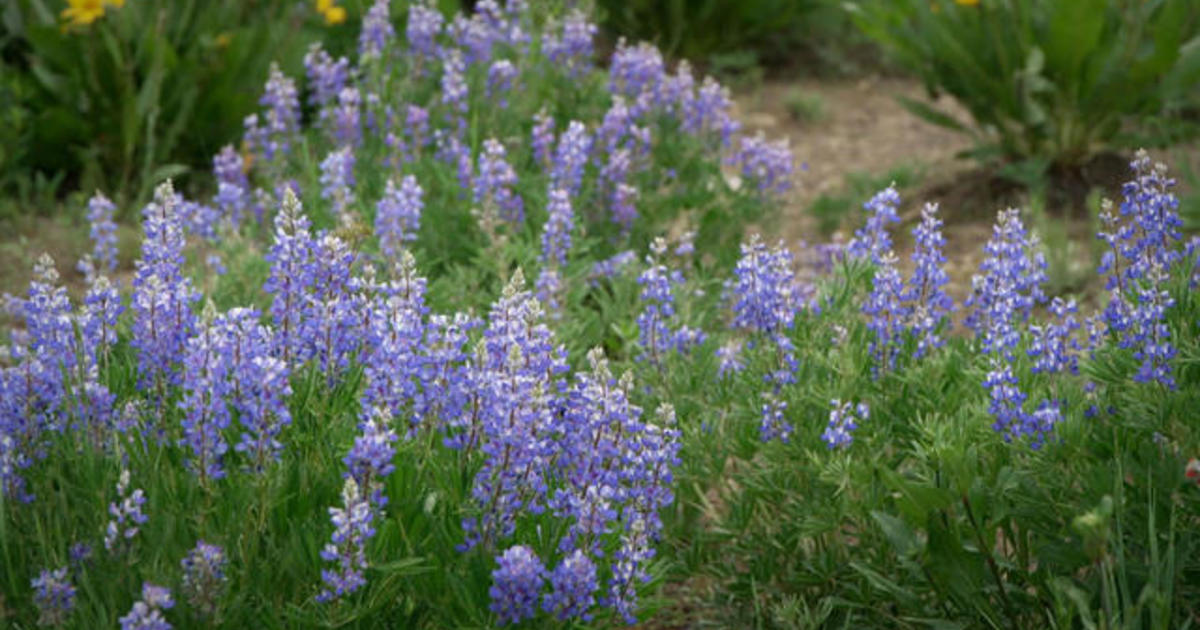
[864, 129]
[861, 128]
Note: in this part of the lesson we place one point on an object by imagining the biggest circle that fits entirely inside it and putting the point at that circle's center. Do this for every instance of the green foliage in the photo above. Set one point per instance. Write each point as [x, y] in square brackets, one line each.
[698, 29]
[930, 519]
[1043, 80]
[149, 90]
[804, 108]
[832, 211]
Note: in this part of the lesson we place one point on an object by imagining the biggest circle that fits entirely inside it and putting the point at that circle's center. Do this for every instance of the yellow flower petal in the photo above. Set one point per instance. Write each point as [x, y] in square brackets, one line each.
[83, 12]
[324, 5]
[335, 15]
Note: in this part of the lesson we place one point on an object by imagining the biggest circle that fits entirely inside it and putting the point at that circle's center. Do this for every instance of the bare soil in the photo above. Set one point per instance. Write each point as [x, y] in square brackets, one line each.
[864, 129]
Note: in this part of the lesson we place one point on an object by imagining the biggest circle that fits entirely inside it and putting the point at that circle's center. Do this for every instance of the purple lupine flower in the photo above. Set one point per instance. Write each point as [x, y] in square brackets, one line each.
[455, 91]
[729, 359]
[677, 94]
[52, 352]
[574, 48]
[686, 245]
[369, 461]
[843, 420]
[205, 407]
[473, 35]
[635, 69]
[416, 130]
[392, 362]
[347, 547]
[872, 240]
[710, 111]
[1040, 424]
[1006, 398]
[337, 181]
[1008, 287]
[162, 296]
[127, 516]
[80, 555]
[259, 385]
[516, 585]
[376, 31]
[494, 183]
[765, 300]
[613, 265]
[1142, 243]
[500, 77]
[601, 431]
[282, 118]
[199, 219]
[54, 596]
[762, 291]
[518, 367]
[331, 318]
[767, 164]
[570, 158]
[146, 613]
[549, 289]
[291, 279]
[228, 166]
[103, 232]
[573, 588]
[621, 205]
[13, 458]
[424, 26]
[343, 120]
[928, 303]
[1053, 345]
[556, 236]
[445, 384]
[204, 577]
[233, 189]
[616, 128]
[398, 215]
[658, 307]
[542, 138]
[326, 77]
[772, 424]
[888, 312]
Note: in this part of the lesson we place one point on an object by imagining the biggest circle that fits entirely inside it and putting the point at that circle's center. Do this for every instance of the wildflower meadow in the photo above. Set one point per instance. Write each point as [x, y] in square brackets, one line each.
[481, 329]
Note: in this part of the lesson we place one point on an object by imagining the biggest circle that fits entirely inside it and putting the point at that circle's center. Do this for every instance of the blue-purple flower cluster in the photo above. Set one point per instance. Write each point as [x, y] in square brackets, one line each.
[1142, 243]
[147, 613]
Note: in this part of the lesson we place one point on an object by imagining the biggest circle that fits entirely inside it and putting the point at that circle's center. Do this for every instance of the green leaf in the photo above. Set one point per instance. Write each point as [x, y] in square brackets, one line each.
[1073, 34]
[897, 532]
[932, 115]
[916, 500]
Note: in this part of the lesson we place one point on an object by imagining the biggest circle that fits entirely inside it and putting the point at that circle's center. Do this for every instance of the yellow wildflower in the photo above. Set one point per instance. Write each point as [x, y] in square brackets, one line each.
[83, 12]
[967, 3]
[333, 13]
[222, 40]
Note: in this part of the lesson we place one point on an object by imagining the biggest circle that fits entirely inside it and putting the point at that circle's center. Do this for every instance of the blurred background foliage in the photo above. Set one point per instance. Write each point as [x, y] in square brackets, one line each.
[1045, 81]
[153, 88]
[145, 90]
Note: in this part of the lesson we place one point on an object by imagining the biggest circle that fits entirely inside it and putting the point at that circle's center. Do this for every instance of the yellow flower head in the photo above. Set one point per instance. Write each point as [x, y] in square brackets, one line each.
[967, 3]
[83, 12]
[333, 13]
